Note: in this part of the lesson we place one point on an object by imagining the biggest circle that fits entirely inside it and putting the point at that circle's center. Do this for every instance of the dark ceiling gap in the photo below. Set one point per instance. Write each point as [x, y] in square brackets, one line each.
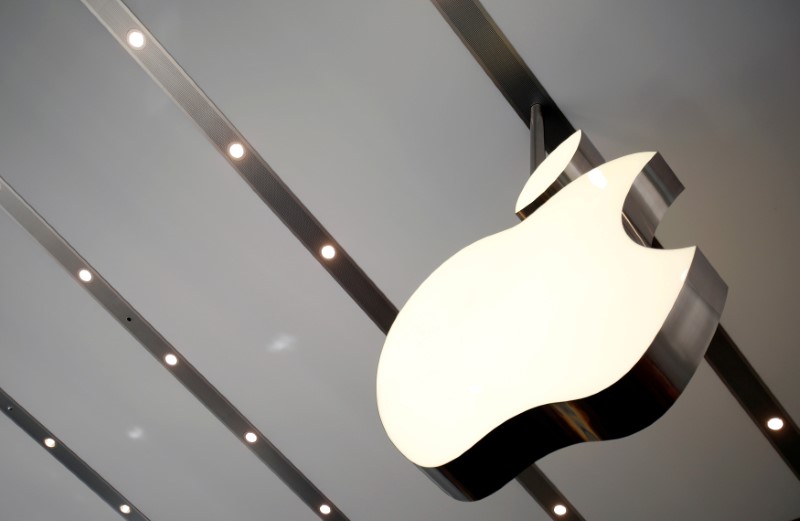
[501, 62]
[158, 346]
[74, 463]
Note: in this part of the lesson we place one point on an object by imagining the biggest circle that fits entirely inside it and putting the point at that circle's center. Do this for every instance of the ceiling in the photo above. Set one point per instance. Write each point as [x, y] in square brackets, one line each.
[386, 128]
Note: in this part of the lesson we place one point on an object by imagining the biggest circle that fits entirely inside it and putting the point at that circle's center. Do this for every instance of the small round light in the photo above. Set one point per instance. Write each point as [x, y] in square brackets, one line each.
[171, 359]
[251, 437]
[125, 509]
[136, 38]
[49, 443]
[559, 510]
[775, 424]
[325, 509]
[85, 275]
[328, 251]
[236, 150]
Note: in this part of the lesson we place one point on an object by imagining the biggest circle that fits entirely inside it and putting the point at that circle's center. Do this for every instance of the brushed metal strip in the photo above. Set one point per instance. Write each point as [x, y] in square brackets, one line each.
[74, 463]
[754, 396]
[536, 483]
[159, 347]
[255, 171]
[504, 66]
[480, 35]
[167, 73]
[537, 137]
[501, 62]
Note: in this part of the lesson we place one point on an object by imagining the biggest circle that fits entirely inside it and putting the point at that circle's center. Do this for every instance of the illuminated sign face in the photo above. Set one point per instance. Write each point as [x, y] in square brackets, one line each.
[558, 330]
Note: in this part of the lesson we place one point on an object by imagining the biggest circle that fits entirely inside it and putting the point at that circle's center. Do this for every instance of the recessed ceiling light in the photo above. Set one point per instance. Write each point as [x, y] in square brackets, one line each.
[775, 424]
[85, 275]
[236, 150]
[49, 442]
[251, 437]
[171, 359]
[125, 509]
[560, 510]
[328, 251]
[136, 38]
[325, 509]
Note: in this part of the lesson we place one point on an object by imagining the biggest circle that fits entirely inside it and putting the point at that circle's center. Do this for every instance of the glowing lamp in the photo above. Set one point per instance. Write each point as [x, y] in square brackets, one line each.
[559, 330]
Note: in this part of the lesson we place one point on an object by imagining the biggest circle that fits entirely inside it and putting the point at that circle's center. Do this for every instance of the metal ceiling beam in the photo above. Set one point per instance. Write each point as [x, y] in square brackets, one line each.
[491, 49]
[158, 346]
[252, 168]
[257, 173]
[74, 463]
[505, 67]
[544, 492]
[501, 62]
[537, 137]
[754, 396]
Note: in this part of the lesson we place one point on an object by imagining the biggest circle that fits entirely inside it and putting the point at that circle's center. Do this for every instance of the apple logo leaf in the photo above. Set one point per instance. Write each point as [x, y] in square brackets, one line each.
[562, 329]
[551, 170]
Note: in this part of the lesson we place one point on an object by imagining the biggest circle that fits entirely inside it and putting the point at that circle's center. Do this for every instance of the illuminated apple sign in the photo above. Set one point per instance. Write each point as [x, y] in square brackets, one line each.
[559, 330]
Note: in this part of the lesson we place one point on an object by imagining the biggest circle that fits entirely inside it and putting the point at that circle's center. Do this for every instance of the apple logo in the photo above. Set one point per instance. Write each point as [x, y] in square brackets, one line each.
[559, 330]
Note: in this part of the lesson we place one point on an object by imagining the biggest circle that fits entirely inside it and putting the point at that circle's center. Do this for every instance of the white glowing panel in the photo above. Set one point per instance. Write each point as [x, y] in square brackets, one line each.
[556, 308]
